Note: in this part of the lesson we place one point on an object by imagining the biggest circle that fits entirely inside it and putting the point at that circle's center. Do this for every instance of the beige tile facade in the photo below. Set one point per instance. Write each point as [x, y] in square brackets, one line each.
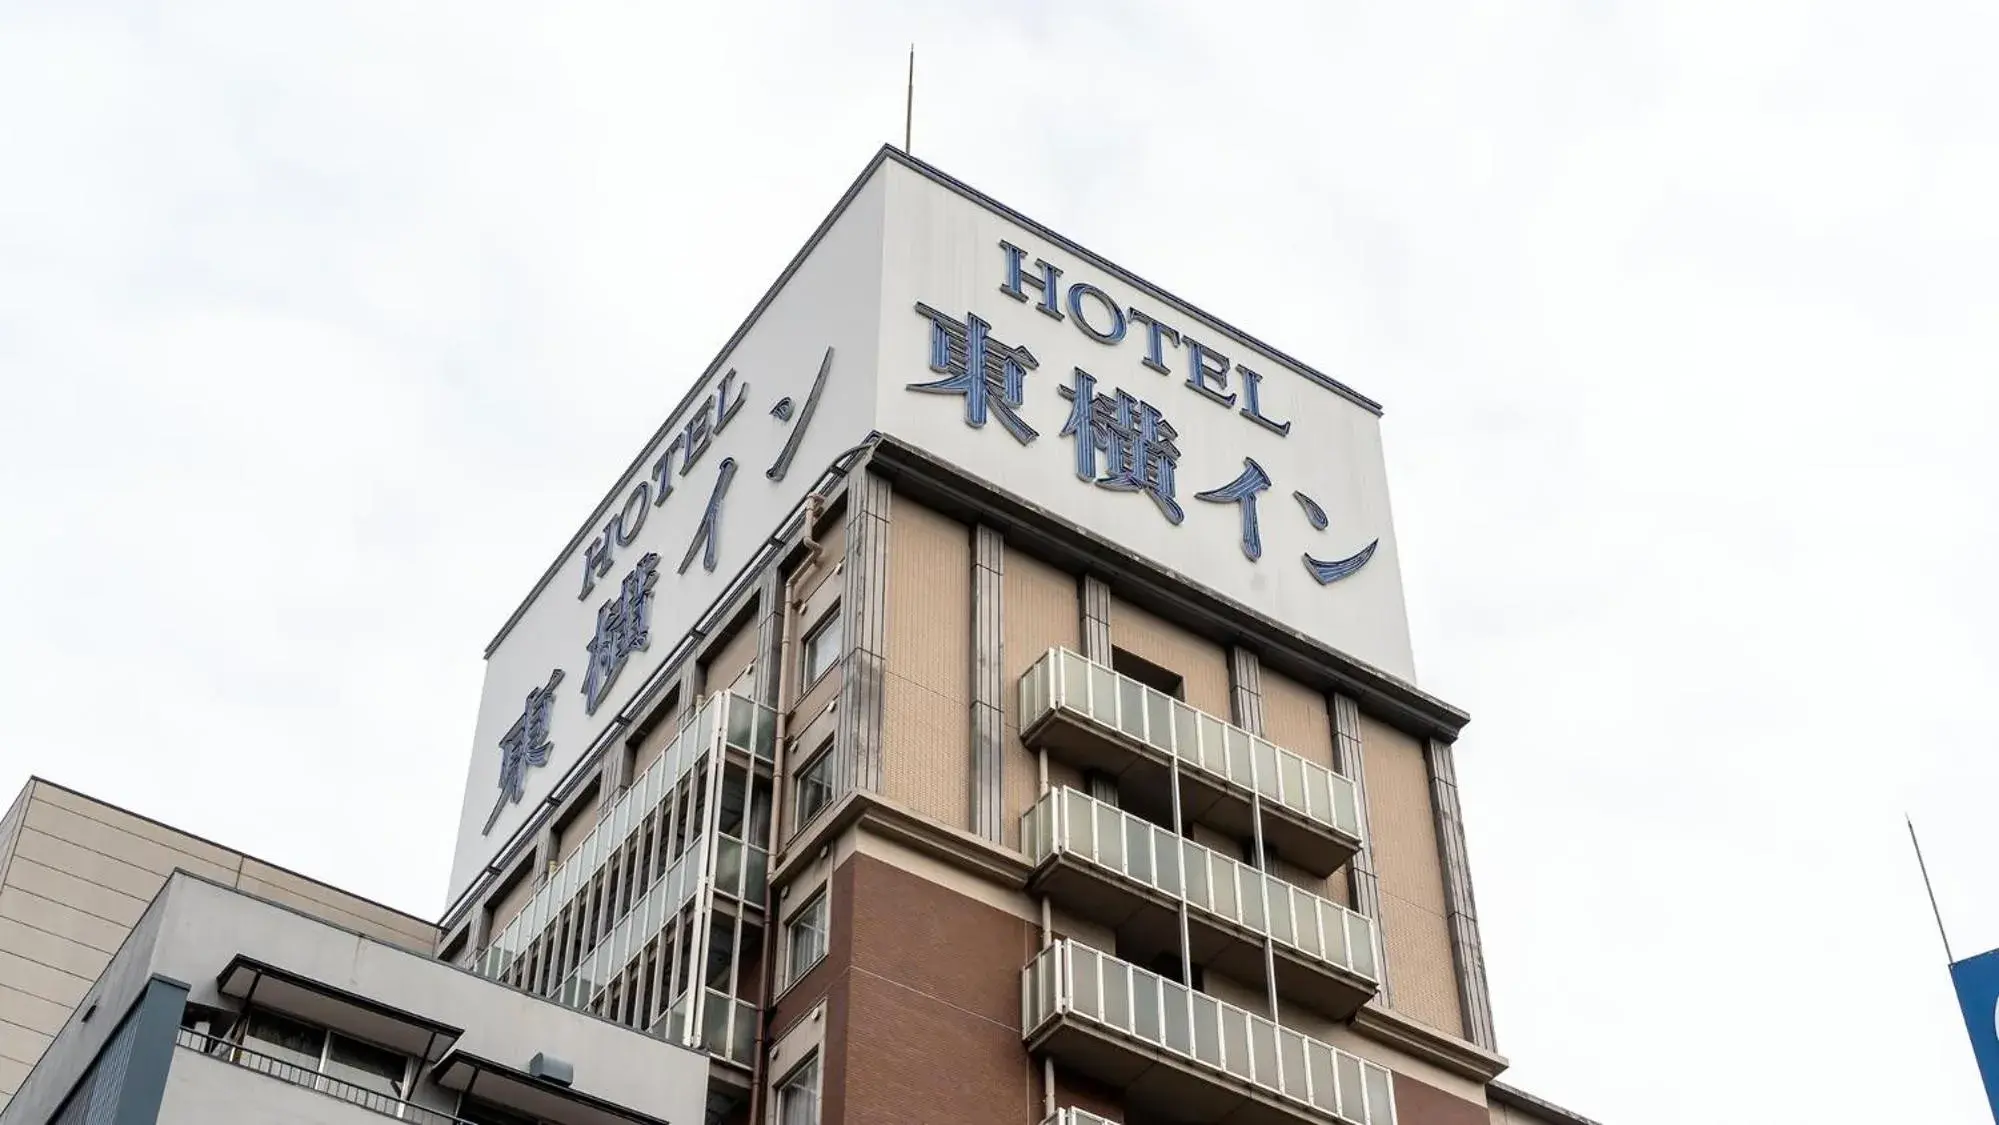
[1413, 926]
[77, 873]
[1039, 610]
[926, 704]
[927, 750]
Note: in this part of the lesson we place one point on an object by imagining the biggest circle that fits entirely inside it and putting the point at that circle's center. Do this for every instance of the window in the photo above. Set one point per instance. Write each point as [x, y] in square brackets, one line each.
[331, 1055]
[798, 1098]
[1162, 680]
[815, 784]
[1269, 854]
[823, 645]
[805, 939]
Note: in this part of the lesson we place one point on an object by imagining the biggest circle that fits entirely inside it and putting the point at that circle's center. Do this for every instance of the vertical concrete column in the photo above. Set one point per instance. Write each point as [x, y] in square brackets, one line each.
[988, 680]
[1363, 883]
[770, 634]
[1096, 599]
[1461, 911]
[864, 602]
[1246, 705]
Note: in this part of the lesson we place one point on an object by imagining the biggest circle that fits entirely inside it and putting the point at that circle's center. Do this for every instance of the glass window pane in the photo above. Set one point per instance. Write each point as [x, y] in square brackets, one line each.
[742, 720]
[1167, 848]
[1075, 684]
[1237, 741]
[798, 1098]
[1378, 1097]
[1226, 901]
[1159, 720]
[1291, 773]
[1319, 795]
[1214, 745]
[1197, 888]
[1207, 1031]
[1235, 1041]
[1186, 732]
[1266, 768]
[1263, 1040]
[1346, 813]
[1351, 1094]
[1138, 849]
[285, 1039]
[1281, 901]
[1145, 1008]
[1117, 995]
[1131, 708]
[365, 1065]
[1252, 899]
[1292, 1051]
[1103, 695]
[1085, 998]
[1178, 1034]
[1325, 1088]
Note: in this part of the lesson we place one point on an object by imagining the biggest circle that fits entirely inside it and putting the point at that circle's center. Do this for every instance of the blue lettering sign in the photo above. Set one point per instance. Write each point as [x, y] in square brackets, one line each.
[989, 375]
[525, 745]
[1122, 443]
[1136, 441]
[624, 626]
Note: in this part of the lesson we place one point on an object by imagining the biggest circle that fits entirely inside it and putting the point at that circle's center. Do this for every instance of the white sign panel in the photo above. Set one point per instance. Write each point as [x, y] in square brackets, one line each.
[922, 313]
[773, 414]
[1137, 418]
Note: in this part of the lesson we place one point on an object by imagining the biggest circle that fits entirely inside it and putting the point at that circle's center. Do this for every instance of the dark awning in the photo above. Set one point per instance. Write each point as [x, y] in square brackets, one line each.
[281, 990]
[513, 1088]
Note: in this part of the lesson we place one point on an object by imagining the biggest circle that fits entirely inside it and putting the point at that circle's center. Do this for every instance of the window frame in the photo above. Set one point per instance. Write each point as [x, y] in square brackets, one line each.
[819, 909]
[802, 1081]
[831, 619]
[822, 755]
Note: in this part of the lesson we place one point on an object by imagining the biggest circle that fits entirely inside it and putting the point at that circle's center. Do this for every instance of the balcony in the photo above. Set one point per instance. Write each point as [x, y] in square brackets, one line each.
[1131, 875]
[1087, 714]
[1075, 1117]
[740, 727]
[307, 1078]
[1187, 1054]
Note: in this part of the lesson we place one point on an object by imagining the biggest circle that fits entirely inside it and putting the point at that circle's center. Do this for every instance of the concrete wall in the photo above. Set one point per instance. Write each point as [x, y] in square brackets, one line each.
[201, 1088]
[76, 874]
[206, 925]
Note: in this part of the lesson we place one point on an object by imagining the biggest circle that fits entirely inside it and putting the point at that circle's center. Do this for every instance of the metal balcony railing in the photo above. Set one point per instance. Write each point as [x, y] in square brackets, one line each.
[310, 1079]
[1216, 888]
[1075, 1117]
[1072, 984]
[728, 720]
[1213, 752]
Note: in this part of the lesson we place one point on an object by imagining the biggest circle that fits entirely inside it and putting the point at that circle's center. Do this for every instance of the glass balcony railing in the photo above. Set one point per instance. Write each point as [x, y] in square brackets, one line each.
[1072, 983]
[1128, 848]
[729, 720]
[1219, 753]
[728, 1025]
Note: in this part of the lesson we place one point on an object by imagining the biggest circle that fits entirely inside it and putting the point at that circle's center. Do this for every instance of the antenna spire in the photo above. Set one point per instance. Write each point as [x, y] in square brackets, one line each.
[909, 103]
[1924, 868]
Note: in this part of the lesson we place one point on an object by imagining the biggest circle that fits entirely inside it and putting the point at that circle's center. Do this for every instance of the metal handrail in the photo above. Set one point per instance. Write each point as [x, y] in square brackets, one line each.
[290, 1072]
[1072, 822]
[1212, 748]
[1069, 980]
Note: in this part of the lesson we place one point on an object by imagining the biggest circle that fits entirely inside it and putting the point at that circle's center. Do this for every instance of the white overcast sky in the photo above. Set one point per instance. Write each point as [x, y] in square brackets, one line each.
[323, 326]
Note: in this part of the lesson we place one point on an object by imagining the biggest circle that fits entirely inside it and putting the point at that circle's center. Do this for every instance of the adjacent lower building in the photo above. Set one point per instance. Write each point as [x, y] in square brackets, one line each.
[988, 700]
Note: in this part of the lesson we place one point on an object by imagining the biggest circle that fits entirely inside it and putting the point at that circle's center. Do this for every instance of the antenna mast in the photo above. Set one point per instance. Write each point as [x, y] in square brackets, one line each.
[1924, 868]
[909, 103]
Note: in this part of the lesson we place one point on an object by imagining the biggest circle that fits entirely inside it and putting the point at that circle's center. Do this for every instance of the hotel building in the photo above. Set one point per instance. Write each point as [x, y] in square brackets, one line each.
[988, 700]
